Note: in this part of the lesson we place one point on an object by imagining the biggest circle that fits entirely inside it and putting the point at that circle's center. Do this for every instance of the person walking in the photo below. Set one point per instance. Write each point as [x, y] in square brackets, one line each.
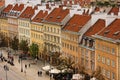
[38, 73]
[25, 66]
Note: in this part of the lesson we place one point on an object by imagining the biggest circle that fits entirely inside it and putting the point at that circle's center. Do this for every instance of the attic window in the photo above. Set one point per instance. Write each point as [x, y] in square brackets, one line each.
[106, 32]
[58, 17]
[41, 18]
[116, 33]
[50, 17]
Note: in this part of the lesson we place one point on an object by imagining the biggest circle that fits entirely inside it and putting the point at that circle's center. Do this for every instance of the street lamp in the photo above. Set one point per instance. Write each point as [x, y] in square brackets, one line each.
[21, 62]
[6, 69]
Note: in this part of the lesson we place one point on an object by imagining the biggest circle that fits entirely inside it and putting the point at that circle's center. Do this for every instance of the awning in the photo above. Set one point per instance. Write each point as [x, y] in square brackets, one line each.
[54, 71]
[76, 76]
[47, 68]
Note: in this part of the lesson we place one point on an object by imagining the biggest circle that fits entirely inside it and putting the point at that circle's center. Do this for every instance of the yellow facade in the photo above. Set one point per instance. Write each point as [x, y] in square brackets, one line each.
[37, 36]
[107, 58]
[4, 26]
[13, 27]
[52, 36]
[70, 45]
[24, 30]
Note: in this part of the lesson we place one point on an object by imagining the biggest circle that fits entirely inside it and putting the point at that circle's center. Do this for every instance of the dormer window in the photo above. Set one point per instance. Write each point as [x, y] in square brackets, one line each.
[50, 17]
[106, 32]
[58, 17]
[41, 18]
[116, 33]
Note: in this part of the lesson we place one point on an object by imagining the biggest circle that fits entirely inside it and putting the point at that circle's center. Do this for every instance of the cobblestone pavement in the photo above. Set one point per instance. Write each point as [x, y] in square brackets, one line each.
[30, 73]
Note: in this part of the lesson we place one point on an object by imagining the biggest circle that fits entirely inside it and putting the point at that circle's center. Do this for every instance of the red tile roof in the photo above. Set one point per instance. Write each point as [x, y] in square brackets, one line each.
[114, 10]
[77, 22]
[8, 8]
[18, 8]
[112, 31]
[57, 15]
[40, 16]
[28, 12]
[99, 25]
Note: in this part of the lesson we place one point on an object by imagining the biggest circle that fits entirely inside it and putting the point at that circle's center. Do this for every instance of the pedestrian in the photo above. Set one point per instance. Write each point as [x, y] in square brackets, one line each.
[38, 73]
[25, 66]
[29, 65]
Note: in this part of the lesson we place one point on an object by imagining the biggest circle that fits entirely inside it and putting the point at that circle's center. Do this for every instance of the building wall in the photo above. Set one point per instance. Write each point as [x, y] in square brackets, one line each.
[87, 54]
[24, 30]
[107, 58]
[4, 26]
[70, 45]
[37, 36]
[13, 27]
[52, 37]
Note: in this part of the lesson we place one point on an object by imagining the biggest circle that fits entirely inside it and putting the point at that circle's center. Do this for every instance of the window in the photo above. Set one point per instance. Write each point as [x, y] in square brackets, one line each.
[113, 51]
[113, 63]
[108, 61]
[103, 71]
[98, 57]
[103, 59]
[108, 74]
[113, 76]
[86, 54]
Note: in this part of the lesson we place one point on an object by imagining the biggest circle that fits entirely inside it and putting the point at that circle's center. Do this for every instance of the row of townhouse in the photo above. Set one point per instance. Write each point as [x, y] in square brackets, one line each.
[90, 37]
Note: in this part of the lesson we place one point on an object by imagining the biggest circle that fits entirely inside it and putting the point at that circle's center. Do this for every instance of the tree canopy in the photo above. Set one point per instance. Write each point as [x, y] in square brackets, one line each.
[24, 46]
[34, 49]
[15, 43]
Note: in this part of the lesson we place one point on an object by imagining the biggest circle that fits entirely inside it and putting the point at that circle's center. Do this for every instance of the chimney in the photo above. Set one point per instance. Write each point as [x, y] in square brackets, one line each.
[47, 6]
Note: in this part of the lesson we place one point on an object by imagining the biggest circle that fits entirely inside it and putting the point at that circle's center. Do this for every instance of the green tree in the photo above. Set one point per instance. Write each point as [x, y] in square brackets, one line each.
[34, 49]
[100, 4]
[98, 74]
[15, 43]
[44, 53]
[66, 63]
[106, 3]
[23, 45]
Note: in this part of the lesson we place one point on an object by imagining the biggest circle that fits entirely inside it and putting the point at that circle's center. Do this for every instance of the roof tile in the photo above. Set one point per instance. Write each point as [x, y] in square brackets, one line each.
[8, 8]
[77, 22]
[40, 16]
[114, 10]
[28, 12]
[100, 24]
[18, 8]
[57, 15]
[112, 31]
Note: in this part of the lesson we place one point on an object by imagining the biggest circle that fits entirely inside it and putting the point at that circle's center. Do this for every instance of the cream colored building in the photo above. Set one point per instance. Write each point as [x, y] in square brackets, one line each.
[52, 28]
[107, 51]
[37, 32]
[13, 20]
[24, 24]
